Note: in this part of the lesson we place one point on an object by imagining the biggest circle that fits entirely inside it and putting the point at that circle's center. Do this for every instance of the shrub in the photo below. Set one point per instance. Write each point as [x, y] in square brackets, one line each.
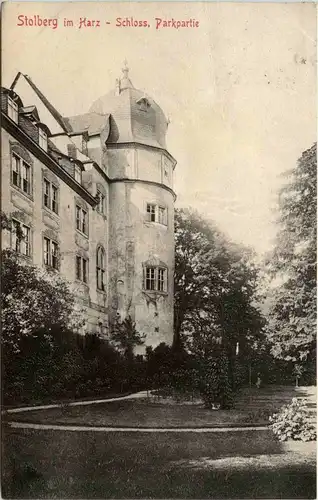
[293, 422]
[214, 383]
[256, 416]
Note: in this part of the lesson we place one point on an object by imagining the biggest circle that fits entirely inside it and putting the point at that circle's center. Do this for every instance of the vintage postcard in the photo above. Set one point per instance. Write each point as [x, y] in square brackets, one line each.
[158, 217]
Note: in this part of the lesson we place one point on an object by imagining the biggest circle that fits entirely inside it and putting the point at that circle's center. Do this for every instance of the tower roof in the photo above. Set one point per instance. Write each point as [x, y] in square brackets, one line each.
[135, 117]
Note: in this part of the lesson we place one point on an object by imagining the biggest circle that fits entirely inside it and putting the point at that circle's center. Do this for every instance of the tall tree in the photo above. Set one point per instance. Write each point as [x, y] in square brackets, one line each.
[215, 289]
[292, 267]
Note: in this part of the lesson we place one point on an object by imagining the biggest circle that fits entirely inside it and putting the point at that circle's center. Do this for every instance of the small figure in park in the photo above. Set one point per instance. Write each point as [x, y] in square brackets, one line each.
[258, 381]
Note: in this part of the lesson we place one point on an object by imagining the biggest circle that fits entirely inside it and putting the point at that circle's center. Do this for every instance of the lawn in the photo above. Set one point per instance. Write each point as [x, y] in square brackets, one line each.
[73, 464]
[246, 464]
[140, 413]
[251, 407]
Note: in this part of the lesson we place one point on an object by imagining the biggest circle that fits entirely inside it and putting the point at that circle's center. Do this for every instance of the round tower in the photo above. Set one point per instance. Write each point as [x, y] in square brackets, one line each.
[141, 211]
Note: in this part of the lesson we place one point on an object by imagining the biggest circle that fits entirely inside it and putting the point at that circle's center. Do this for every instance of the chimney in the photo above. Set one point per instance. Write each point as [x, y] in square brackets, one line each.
[71, 151]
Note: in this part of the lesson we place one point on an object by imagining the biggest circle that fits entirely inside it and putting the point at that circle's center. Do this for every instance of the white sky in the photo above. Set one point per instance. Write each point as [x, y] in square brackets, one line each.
[240, 91]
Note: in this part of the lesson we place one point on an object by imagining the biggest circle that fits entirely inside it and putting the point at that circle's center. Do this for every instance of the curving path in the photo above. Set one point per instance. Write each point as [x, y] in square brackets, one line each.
[136, 395]
[83, 428]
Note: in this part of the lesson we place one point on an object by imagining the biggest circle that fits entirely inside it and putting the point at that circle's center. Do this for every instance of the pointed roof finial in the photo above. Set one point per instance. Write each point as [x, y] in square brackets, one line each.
[125, 81]
[125, 69]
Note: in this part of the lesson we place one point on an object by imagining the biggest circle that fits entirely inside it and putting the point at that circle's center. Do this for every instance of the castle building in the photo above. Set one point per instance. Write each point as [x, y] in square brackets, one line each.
[93, 196]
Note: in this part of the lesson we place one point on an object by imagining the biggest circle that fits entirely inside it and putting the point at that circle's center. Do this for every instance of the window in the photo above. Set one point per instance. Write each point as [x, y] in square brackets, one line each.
[47, 194]
[81, 220]
[143, 104]
[50, 196]
[156, 213]
[101, 203]
[100, 268]
[161, 215]
[50, 253]
[161, 279]
[16, 171]
[26, 178]
[151, 212]
[54, 199]
[166, 169]
[81, 269]
[20, 241]
[21, 174]
[13, 110]
[78, 174]
[150, 278]
[42, 139]
[156, 279]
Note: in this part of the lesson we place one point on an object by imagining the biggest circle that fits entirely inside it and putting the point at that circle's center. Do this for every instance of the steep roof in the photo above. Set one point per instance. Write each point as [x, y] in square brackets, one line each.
[92, 123]
[135, 117]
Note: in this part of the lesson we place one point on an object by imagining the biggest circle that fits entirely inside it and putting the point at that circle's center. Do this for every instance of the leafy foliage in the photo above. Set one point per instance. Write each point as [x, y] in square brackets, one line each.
[215, 284]
[293, 422]
[125, 336]
[292, 315]
[215, 295]
[33, 302]
[214, 383]
[43, 356]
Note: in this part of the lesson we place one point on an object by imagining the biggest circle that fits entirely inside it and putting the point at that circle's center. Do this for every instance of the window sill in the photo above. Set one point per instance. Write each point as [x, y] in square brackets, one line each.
[27, 258]
[154, 292]
[19, 190]
[50, 212]
[157, 224]
[51, 269]
[83, 283]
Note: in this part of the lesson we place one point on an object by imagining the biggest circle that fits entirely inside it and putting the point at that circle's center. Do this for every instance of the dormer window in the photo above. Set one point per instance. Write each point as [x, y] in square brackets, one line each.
[13, 110]
[78, 174]
[42, 139]
[143, 104]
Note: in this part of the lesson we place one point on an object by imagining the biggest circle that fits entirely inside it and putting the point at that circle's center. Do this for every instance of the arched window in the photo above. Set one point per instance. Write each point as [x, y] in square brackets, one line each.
[100, 268]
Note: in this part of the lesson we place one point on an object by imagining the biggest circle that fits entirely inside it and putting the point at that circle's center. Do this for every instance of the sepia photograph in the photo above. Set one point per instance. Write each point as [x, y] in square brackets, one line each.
[159, 244]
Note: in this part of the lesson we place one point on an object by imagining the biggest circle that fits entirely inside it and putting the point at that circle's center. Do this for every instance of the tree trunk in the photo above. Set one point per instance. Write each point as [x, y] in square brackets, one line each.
[176, 344]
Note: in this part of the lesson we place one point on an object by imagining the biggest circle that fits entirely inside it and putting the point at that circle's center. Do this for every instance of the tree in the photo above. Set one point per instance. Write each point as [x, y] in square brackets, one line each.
[292, 266]
[33, 301]
[215, 292]
[126, 337]
[39, 356]
[215, 284]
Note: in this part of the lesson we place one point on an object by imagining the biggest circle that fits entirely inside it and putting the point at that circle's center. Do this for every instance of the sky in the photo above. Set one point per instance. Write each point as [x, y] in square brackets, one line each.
[239, 90]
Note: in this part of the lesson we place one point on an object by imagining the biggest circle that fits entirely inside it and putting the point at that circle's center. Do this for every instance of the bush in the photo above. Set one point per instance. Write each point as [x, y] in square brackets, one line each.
[214, 383]
[293, 422]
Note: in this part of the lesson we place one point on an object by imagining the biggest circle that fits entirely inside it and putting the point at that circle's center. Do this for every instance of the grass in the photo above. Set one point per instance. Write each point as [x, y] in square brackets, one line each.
[138, 413]
[252, 406]
[55, 464]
